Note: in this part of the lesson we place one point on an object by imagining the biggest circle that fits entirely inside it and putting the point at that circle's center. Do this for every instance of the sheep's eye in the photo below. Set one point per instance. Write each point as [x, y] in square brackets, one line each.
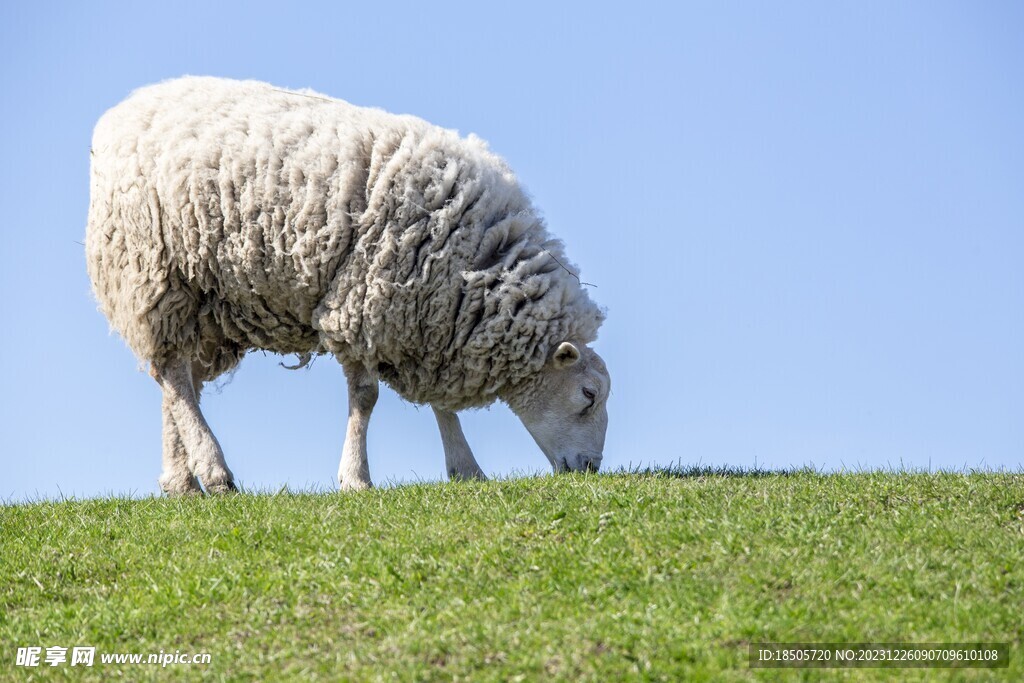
[590, 395]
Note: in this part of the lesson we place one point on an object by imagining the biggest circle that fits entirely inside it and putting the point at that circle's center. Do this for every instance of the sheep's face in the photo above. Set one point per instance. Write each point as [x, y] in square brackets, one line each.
[567, 413]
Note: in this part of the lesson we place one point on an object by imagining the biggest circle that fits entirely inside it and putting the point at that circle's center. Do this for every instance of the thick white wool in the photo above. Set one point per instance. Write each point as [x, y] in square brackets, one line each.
[227, 216]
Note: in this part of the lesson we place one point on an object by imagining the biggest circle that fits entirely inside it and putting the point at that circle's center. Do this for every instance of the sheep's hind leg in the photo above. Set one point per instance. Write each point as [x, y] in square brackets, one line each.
[205, 458]
[458, 456]
[176, 478]
[354, 470]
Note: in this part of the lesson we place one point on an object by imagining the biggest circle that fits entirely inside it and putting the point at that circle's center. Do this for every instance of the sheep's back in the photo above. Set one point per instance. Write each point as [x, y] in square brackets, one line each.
[229, 202]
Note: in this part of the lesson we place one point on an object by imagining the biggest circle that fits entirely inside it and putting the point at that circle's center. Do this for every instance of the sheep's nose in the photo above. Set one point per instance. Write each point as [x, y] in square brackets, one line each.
[593, 463]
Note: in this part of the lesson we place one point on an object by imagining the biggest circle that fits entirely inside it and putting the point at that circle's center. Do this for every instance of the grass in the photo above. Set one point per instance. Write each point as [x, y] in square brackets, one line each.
[664, 575]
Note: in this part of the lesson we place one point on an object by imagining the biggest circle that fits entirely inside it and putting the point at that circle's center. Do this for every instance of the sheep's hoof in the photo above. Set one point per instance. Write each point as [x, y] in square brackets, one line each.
[355, 485]
[180, 485]
[466, 476]
[225, 487]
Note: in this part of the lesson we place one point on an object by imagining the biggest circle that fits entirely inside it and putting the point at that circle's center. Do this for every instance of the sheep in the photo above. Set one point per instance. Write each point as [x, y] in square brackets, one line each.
[228, 216]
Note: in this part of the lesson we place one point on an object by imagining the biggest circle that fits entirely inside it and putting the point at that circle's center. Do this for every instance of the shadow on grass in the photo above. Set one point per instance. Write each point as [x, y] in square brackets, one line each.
[698, 471]
[680, 471]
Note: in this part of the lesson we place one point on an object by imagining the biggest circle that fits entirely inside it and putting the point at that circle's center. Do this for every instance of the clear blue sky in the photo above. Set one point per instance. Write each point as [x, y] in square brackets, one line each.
[806, 222]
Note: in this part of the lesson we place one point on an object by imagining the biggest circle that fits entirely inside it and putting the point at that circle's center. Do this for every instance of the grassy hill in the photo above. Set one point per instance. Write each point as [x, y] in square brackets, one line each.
[658, 576]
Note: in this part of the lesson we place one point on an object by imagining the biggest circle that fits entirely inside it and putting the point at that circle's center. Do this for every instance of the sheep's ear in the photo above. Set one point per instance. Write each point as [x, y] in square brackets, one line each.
[565, 355]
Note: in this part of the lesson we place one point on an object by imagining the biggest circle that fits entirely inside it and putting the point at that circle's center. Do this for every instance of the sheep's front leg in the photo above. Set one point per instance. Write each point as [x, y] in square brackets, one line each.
[354, 470]
[204, 457]
[458, 457]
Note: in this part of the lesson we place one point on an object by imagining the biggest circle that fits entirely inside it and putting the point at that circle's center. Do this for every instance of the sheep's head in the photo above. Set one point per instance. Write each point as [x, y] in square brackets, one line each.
[566, 408]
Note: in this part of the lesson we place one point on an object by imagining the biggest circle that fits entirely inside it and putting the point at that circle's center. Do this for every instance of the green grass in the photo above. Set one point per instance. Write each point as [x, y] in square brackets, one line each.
[658, 576]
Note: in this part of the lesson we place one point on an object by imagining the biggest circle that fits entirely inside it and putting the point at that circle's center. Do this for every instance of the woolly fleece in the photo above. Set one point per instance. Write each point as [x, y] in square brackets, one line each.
[229, 215]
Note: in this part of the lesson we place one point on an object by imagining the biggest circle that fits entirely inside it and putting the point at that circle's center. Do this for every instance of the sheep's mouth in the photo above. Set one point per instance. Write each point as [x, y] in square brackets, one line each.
[584, 463]
[591, 460]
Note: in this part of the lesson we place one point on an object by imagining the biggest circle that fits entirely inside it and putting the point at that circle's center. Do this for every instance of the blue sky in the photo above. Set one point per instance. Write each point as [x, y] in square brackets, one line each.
[806, 222]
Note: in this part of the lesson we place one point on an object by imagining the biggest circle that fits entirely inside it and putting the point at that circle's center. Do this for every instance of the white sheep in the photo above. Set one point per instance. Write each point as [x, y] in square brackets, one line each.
[227, 216]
